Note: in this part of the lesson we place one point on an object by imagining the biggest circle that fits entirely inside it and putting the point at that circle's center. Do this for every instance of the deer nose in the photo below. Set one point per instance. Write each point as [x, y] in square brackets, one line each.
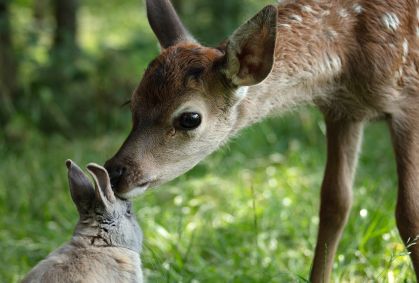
[115, 174]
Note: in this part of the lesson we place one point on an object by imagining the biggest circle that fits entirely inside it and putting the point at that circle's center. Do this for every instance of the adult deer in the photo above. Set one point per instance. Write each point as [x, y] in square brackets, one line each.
[355, 59]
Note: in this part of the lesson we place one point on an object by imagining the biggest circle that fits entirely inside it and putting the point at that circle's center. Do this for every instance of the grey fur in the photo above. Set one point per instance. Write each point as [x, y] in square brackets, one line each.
[107, 240]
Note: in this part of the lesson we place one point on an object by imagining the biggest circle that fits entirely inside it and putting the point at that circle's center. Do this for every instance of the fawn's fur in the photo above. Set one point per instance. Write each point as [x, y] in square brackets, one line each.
[356, 60]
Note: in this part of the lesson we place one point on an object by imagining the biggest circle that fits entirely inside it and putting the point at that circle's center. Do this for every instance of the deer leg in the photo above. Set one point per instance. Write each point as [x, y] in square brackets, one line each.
[343, 140]
[405, 136]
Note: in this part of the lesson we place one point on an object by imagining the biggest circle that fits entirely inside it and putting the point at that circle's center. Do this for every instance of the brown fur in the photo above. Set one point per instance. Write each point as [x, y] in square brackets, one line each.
[356, 60]
[172, 75]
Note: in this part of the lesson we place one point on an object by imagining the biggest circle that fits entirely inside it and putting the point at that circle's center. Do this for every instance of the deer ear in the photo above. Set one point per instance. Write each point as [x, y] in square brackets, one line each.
[250, 49]
[165, 23]
[81, 189]
[102, 182]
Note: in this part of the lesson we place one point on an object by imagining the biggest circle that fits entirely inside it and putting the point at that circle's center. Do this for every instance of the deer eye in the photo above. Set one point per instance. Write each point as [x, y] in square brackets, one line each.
[189, 121]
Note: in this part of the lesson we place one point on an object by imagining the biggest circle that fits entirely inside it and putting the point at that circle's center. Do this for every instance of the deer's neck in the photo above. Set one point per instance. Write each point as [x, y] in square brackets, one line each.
[313, 42]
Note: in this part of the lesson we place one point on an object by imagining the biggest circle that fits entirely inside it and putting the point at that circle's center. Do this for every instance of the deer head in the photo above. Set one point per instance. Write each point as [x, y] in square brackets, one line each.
[186, 104]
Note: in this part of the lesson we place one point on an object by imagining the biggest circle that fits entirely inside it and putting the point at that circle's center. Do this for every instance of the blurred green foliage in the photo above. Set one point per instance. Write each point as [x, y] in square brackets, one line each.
[77, 89]
[253, 219]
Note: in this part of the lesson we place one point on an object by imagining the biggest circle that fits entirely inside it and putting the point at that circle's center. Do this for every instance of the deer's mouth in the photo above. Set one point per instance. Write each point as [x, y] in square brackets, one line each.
[136, 190]
[143, 184]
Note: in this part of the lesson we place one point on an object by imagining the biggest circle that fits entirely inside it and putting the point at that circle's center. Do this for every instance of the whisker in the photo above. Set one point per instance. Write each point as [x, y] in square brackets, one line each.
[128, 102]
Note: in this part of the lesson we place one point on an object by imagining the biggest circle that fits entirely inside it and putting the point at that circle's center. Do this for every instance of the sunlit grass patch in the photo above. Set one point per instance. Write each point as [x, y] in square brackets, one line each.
[246, 214]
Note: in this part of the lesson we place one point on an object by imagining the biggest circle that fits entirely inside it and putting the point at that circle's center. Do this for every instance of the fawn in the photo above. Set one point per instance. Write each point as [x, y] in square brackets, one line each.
[356, 60]
[106, 242]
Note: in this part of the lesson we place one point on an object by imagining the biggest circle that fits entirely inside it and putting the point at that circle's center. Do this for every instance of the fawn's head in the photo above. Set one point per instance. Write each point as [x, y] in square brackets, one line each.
[186, 103]
[104, 218]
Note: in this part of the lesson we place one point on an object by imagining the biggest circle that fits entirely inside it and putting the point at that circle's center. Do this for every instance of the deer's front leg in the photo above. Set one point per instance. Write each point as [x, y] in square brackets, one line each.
[343, 140]
[405, 134]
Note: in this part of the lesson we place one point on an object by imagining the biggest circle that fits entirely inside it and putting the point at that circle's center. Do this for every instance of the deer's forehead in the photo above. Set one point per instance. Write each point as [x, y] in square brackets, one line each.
[170, 75]
[176, 63]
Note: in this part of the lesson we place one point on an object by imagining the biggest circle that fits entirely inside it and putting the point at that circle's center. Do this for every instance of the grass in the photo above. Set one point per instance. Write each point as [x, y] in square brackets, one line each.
[246, 214]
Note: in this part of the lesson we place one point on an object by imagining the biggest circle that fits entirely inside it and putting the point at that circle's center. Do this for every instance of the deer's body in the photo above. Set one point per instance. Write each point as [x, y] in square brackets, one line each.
[355, 60]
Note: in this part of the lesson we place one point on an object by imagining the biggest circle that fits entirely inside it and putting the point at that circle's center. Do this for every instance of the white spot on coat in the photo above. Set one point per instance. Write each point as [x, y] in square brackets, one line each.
[307, 9]
[296, 18]
[390, 21]
[358, 9]
[331, 33]
[405, 50]
[325, 13]
[330, 65]
[405, 47]
[286, 26]
[343, 13]
[335, 63]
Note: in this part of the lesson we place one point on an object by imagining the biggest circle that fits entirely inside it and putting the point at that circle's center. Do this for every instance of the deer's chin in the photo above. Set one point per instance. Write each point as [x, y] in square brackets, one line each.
[135, 191]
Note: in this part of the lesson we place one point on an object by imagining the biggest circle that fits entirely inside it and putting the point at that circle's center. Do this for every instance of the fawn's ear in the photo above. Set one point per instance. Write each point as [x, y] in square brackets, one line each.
[81, 189]
[102, 182]
[250, 49]
[165, 23]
